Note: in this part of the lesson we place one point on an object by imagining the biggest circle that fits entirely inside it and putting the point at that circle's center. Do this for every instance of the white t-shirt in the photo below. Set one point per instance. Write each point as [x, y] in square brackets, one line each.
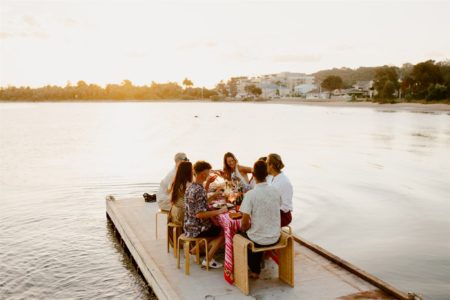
[284, 186]
[162, 196]
[263, 205]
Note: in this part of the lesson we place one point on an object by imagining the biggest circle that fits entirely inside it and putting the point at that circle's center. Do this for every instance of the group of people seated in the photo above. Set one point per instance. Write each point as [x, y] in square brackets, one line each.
[188, 189]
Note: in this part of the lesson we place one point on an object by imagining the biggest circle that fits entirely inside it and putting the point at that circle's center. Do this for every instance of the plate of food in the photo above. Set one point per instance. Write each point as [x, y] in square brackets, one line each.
[235, 215]
[220, 205]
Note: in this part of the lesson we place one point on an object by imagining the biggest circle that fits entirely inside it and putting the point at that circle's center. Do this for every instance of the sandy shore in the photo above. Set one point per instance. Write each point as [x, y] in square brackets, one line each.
[414, 107]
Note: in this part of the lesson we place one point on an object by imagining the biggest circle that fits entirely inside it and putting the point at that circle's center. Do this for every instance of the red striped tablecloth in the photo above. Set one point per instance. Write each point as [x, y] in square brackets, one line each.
[230, 227]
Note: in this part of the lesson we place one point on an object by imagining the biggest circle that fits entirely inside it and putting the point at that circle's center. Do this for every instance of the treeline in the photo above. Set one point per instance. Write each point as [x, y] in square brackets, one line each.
[424, 81]
[124, 91]
[427, 80]
[349, 76]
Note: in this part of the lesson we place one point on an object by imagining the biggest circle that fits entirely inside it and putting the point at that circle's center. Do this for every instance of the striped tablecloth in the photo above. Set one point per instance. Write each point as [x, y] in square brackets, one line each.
[230, 227]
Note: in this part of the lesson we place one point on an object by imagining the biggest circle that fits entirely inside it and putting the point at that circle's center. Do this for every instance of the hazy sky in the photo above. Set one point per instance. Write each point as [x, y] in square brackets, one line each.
[51, 42]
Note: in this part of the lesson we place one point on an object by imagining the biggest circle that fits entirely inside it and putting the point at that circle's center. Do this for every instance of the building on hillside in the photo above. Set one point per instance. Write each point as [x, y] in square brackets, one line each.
[317, 94]
[282, 84]
[271, 90]
[363, 89]
[341, 94]
[304, 88]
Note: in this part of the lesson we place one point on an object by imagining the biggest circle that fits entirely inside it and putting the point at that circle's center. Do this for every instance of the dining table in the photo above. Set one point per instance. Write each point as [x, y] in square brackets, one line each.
[230, 228]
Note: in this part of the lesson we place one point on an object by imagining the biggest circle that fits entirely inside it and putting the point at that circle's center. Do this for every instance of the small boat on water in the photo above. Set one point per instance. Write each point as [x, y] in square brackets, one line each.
[319, 274]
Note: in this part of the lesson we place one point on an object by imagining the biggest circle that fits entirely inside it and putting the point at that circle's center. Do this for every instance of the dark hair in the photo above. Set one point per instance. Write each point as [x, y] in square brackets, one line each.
[275, 160]
[226, 169]
[201, 166]
[182, 177]
[260, 170]
[263, 158]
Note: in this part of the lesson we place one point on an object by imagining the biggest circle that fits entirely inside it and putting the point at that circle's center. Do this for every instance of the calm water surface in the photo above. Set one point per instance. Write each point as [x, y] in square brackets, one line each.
[371, 186]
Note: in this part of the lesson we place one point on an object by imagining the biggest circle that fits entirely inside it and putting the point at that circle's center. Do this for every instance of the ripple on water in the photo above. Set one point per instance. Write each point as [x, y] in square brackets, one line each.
[65, 254]
[348, 168]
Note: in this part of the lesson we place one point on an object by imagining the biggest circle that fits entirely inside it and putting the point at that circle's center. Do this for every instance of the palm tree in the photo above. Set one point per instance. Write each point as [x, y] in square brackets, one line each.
[187, 83]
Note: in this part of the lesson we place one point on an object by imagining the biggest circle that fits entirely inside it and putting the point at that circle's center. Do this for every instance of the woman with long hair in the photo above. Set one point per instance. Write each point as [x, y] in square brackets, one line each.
[230, 166]
[283, 185]
[183, 179]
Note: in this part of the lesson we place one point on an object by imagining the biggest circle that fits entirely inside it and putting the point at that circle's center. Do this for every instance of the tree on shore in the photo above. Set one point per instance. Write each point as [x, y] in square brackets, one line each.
[222, 89]
[424, 75]
[232, 86]
[187, 83]
[386, 82]
[84, 91]
[332, 83]
[253, 89]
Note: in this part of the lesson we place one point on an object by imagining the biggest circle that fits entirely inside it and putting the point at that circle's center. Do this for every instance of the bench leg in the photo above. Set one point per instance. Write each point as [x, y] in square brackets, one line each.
[241, 265]
[175, 236]
[178, 254]
[187, 256]
[286, 263]
[156, 225]
[167, 242]
[206, 255]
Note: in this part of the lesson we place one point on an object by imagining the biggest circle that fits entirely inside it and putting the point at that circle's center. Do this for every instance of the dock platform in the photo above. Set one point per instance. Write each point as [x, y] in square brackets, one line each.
[318, 273]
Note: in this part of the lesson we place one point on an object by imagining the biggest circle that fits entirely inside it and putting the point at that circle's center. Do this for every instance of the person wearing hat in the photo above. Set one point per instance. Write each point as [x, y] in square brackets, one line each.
[163, 194]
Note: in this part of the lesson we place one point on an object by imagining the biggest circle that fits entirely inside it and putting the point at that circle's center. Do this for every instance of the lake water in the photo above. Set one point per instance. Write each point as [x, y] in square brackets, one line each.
[373, 187]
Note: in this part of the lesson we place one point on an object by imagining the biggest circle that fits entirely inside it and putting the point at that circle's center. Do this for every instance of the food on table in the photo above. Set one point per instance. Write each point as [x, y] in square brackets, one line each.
[220, 205]
[235, 215]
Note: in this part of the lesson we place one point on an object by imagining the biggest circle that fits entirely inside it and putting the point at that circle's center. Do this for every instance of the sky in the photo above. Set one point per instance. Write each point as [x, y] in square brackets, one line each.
[53, 42]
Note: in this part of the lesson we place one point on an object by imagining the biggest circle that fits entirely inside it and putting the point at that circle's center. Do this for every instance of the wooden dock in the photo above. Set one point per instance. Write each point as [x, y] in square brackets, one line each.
[318, 273]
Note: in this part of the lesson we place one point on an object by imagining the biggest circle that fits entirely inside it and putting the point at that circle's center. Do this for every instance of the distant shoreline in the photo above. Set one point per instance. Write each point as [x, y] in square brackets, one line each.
[402, 106]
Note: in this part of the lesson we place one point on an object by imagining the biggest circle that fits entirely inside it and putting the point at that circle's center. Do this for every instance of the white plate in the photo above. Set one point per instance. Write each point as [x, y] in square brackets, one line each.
[217, 205]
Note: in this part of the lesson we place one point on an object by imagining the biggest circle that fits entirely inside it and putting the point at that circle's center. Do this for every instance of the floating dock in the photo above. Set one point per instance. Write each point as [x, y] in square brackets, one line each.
[318, 273]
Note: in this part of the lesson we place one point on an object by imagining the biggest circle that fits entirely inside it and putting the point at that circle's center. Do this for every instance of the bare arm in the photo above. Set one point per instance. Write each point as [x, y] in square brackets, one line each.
[245, 222]
[244, 169]
[210, 214]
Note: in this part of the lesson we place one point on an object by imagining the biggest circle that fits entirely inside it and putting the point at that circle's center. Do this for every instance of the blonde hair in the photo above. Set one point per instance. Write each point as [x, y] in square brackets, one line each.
[276, 162]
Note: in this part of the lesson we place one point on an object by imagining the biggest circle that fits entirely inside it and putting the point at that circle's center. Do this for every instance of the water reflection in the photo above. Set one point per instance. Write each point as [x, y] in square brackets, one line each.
[127, 263]
[370, 186]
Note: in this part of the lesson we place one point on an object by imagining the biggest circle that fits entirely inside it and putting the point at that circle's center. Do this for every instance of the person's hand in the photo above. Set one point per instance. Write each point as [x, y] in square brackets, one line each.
[211, 179]
[223, 210]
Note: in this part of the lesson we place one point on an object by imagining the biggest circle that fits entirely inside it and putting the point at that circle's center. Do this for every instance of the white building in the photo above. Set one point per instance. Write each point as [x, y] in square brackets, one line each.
[365, 88]
[304, 88]
[317, 94]
[282, 84]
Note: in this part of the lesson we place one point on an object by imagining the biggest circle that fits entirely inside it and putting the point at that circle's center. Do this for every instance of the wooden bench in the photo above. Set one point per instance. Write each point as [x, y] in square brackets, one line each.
[175, 230]
[287, 229]
[159, 213]
[186, 242]
[285, 248]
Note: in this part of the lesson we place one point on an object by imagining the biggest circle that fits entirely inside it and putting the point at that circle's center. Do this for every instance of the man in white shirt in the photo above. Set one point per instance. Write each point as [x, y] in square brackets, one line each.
[262, 206]
[269, 177]
[282, 183]
[162, 196]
